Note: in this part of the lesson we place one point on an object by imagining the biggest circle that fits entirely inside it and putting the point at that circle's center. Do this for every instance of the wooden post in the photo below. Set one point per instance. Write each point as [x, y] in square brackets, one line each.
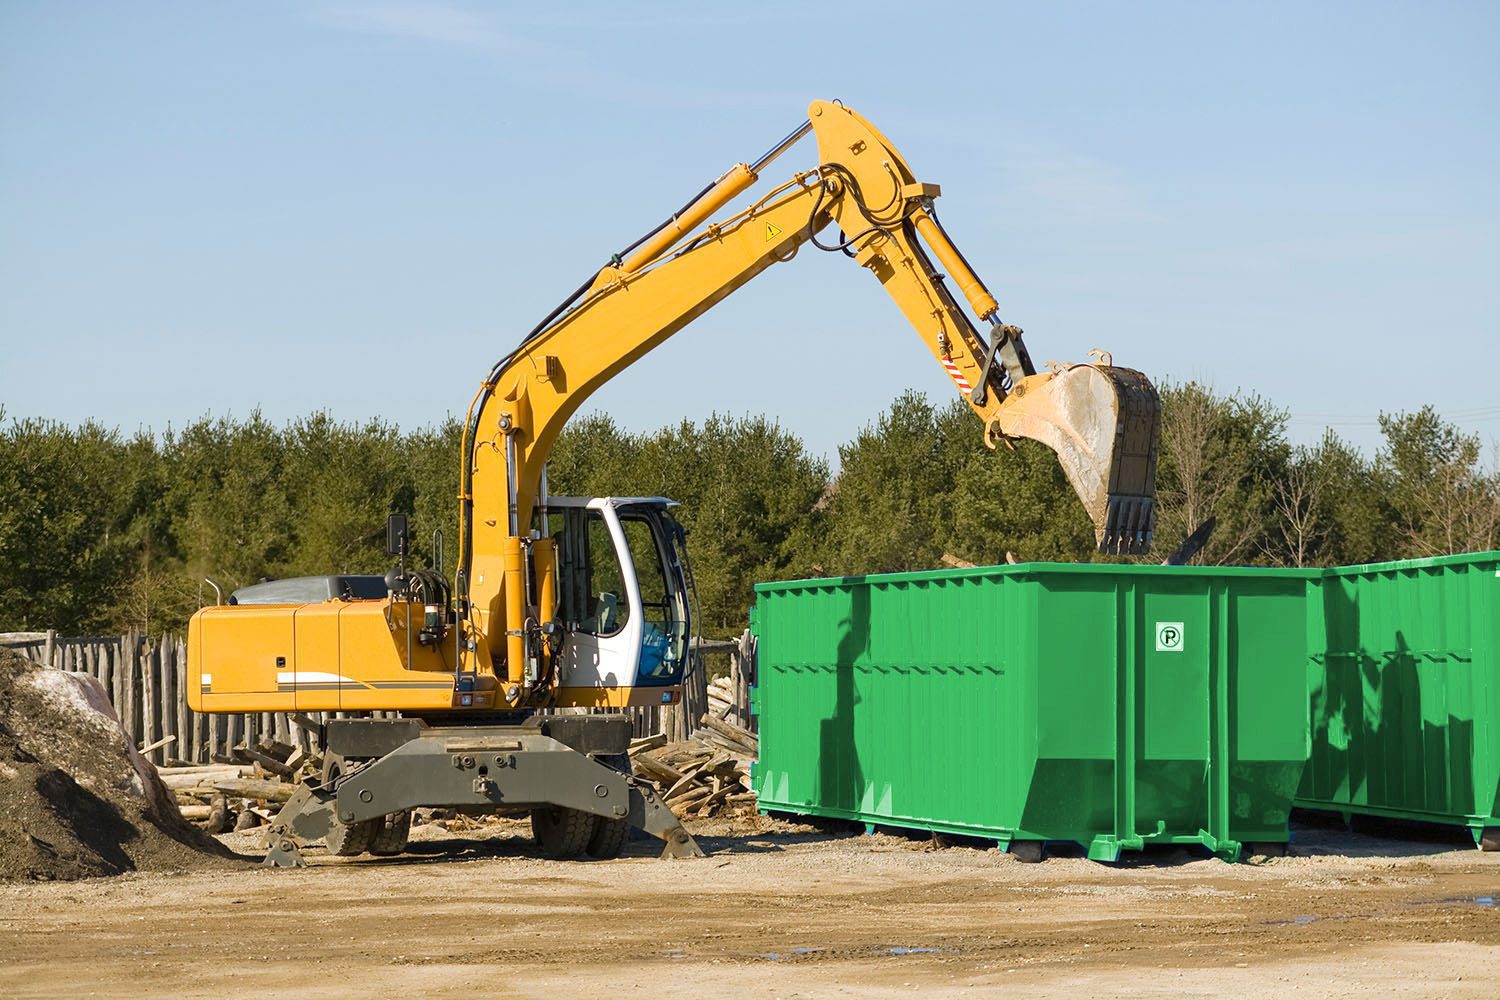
[166, 715]
[131, 687]
[149, 681]
[117, 681]
[106, 672]
[49, 646]
[187, 743]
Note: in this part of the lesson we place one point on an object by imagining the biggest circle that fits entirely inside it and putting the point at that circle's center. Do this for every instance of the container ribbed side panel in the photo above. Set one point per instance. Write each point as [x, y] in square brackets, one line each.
[1112, 706]
[1403, 691]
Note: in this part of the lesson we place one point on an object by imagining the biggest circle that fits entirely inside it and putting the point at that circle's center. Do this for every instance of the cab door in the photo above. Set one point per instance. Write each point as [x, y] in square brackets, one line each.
[598, 600]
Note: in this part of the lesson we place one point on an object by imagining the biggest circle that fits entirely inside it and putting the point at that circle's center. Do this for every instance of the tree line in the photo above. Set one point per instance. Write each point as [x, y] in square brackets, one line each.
[102, 531]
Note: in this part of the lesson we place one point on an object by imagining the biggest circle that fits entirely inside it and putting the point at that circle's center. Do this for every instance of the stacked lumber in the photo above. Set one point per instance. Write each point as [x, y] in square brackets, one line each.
[705, 775]
[721, 700]
[243, 788]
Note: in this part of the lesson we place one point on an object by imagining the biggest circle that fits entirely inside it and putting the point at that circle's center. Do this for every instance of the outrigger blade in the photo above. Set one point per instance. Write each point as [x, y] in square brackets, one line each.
[1104, 423]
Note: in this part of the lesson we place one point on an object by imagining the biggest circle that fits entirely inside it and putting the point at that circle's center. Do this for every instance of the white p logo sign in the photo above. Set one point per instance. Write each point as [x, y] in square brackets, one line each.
[1169, 637]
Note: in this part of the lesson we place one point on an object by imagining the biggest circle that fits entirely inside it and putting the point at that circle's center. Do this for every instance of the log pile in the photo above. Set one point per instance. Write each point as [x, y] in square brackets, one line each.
[705, 775]
[708, 774]
[244, 789]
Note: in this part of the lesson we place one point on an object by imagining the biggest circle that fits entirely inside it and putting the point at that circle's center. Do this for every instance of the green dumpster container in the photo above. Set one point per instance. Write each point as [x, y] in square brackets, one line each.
[1404, 683]
[1114, 706]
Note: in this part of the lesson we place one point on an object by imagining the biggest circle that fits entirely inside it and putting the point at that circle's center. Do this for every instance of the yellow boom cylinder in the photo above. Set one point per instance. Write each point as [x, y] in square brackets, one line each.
[515, 612]
[544, 560]
[737, 179]
[953, 262]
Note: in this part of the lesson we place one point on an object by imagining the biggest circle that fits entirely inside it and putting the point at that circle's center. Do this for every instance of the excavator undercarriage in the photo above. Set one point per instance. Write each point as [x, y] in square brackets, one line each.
[570, 773]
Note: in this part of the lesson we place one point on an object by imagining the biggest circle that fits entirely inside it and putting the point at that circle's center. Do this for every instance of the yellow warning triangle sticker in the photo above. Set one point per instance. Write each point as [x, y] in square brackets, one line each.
[771, 232]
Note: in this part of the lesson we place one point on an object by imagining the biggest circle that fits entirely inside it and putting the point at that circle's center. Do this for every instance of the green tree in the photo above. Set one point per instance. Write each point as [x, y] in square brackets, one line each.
[1219, 457]
[748, 491]
[889, 508]
[342, 481]
[1443, 500]
[232, 516]
[1012, 502]
[65, 548]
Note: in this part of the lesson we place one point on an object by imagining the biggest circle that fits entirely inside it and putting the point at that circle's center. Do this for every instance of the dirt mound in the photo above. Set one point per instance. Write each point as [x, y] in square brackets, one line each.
[76, 798]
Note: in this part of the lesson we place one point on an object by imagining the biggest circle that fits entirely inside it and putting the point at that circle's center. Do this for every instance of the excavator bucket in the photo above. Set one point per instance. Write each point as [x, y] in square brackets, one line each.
[1104, 423]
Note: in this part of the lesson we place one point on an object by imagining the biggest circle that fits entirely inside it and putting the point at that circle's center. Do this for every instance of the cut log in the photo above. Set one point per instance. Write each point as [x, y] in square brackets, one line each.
[158, 744]
[220, 819]
[201, 769]
[251, 788]
[648, 743]
[181, 781]
[732, 732]
[689, 798]
[275, 748]
[298, 758]
[657, 770]
[265, 760]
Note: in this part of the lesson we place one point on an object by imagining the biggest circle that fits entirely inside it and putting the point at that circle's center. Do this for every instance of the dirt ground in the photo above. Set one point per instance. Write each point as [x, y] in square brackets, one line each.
[777, 910]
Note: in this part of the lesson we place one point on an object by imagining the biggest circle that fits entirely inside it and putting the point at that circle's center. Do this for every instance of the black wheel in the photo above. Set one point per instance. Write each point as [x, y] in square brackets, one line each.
[347, 840]
[610, 835]
[390, 837]
[609, 838]
[562, 832]
[1489, 840]
[350, 839]
[1029, 851]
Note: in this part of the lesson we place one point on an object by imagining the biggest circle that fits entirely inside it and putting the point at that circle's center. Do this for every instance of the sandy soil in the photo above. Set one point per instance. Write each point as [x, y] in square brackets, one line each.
[777, 910]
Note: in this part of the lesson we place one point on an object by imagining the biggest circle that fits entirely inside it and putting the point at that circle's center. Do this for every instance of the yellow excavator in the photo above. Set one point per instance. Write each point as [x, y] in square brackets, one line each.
[562, 602]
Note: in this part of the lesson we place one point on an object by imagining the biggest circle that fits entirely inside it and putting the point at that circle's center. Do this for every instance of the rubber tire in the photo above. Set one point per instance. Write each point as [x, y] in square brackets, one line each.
[561, 832]
[392, 835]
[1030, 852]
[345, 839]
[348, 840]
[1489, 839]
[610, 835]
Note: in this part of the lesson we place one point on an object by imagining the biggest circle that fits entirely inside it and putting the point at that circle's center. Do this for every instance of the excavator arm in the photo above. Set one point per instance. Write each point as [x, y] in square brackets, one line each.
[1101, 421]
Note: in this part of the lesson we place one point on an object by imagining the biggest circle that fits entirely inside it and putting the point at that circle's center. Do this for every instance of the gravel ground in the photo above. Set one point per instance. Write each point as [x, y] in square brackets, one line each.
[778, 909]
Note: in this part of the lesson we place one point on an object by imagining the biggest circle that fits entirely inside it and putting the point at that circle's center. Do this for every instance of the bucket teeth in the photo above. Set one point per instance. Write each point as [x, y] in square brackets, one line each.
[1128, 526]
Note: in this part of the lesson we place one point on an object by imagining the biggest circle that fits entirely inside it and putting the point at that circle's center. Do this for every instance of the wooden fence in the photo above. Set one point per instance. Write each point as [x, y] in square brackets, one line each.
[146, 680]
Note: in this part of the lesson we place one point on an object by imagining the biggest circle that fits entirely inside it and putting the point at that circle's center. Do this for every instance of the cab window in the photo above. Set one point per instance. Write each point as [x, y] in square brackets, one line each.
[663, 628]
[591, 580]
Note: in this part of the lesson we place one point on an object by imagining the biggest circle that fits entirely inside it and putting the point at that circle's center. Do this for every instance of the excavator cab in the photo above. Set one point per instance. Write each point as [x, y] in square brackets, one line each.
[623, 591]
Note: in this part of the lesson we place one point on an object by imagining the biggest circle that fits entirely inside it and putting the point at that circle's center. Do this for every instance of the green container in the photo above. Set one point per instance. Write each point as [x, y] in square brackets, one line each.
[1114, 706]
[1404, 681]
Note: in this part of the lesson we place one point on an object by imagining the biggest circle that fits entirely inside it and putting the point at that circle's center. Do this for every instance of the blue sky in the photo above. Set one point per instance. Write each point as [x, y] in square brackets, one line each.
[212, 207]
